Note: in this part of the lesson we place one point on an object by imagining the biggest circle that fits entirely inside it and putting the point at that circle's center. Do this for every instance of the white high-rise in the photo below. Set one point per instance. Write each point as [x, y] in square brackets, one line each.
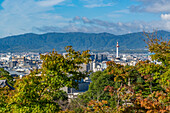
[117, 51]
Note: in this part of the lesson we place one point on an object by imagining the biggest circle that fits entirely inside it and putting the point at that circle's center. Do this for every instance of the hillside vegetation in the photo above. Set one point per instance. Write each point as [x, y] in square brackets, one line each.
[80, 41]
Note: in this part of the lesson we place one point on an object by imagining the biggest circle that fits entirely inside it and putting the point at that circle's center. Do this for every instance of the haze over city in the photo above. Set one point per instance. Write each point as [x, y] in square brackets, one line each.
[112, 16]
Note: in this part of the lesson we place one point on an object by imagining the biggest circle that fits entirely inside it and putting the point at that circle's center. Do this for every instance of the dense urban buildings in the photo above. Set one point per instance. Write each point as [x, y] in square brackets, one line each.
[21, 64]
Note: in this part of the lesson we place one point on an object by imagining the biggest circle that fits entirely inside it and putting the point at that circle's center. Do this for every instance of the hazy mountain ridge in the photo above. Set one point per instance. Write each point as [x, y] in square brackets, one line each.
[79, 41]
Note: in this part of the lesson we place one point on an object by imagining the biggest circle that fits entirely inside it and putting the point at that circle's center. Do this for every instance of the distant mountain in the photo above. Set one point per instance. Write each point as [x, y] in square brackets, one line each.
[79, 41]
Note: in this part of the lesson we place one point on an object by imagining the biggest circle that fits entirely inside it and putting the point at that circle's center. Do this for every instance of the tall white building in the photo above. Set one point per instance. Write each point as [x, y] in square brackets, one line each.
[117, 51]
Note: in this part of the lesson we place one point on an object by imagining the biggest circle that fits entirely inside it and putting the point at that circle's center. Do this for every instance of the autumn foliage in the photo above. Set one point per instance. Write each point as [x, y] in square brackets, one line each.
[40, 91]
[143, 88]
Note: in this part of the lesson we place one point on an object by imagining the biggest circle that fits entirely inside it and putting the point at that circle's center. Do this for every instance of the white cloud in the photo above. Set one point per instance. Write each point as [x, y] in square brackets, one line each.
[124, 11]
[85, 20]
[152, 6]
[97, 3]
[96, 26]
[113, 15]
[118, 13]
[21, 16]
[155, 6]
[48, 3]
[165, 16]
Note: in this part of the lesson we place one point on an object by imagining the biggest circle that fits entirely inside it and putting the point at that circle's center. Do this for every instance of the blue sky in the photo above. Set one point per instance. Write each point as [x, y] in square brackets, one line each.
[112, 16]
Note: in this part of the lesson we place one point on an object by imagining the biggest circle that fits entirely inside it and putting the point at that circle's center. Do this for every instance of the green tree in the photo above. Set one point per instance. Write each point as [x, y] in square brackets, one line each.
[153, 94]
[160, 48]
[4, 91]
[144, 87]
[96, 89]
[40, 91]
[4, 75]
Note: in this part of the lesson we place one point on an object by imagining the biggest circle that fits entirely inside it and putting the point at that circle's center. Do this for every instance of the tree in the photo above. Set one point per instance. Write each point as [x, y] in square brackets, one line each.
[160, 48]
[143, 87]
[39, 91]
[60, 71]
[4, 91]
[96, 89]
[4, 75]
[154, 92]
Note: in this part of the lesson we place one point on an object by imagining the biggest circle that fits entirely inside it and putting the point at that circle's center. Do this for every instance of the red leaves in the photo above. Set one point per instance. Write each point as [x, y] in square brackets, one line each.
[111, 89]
[155, 102]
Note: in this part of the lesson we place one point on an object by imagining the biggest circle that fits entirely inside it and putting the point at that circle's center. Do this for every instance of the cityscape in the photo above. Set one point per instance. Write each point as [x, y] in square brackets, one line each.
[85, 56]
[21, 64]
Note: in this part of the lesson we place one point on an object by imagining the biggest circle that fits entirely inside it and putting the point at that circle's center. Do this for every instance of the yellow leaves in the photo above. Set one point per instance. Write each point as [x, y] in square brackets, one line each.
[104, 102]
[159, 47]
[154, 82]
[67, 111]
[98, 106]
[155, 102]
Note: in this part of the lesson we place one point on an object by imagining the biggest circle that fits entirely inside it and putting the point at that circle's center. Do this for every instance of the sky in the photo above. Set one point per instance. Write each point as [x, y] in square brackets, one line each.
[91, 16]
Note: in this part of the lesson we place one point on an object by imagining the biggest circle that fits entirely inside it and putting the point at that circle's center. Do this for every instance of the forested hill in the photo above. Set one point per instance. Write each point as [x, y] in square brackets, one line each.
[79, 41]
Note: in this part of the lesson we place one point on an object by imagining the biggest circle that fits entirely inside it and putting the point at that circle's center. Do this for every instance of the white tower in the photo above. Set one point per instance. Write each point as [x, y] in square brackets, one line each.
[117, 54]
[94, 66]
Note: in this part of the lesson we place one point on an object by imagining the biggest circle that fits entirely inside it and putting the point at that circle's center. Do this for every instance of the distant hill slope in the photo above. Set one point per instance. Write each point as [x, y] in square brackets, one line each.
[79, 41]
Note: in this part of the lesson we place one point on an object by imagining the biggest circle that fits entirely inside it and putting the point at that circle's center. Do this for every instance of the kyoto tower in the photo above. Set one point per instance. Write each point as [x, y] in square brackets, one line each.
[117, 54]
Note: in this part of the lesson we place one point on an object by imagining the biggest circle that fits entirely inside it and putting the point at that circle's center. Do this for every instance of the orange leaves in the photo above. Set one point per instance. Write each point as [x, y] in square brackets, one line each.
[160, 47]
[111, 89]
[155, 102]
[145, 86]
[104, 102]
[98, 106]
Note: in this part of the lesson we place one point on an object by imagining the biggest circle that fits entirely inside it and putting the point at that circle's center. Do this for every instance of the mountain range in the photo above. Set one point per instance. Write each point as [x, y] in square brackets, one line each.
[79, 41]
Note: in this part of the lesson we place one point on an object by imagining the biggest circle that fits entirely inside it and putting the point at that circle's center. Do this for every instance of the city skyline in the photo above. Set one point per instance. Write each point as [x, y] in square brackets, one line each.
[112, 16]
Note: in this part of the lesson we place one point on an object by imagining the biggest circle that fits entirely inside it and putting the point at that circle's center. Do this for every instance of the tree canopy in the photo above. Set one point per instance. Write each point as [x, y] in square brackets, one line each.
[40, 91]
[144, 87]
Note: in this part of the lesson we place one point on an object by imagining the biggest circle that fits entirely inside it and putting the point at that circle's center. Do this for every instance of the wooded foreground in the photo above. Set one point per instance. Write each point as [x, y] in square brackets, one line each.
[143, 88]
